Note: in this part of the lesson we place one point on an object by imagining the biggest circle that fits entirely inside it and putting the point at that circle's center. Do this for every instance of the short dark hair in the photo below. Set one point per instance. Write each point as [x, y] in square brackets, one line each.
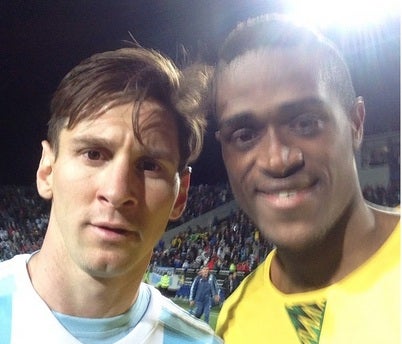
[124, 76]
[276, 31]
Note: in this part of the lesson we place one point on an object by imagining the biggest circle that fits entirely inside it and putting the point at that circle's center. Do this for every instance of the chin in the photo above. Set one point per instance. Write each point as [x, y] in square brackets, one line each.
[291, 236]
[107, 271]
[109, 266]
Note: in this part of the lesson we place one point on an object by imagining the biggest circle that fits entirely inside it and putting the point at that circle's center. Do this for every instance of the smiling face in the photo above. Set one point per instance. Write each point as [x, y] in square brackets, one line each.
[287, 144]
[112, 196]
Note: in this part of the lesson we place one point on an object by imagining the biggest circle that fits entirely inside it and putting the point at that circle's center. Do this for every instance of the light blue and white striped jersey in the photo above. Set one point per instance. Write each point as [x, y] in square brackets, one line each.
[25, 317]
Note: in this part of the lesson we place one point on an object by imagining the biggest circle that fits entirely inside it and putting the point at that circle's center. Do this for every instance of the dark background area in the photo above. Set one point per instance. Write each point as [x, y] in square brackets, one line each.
[40, 41]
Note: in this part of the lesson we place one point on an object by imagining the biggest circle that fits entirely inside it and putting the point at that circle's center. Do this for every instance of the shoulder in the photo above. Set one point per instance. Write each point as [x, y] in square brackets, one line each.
[13, 265]
[253, 284]
[13, 275]
[179, 323]
[252, 294]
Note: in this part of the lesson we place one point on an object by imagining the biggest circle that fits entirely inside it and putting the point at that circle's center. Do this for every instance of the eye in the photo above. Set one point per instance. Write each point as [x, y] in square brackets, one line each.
[148, 165]
[93, 155]
[307, 124]
[241, 138]
[243, 135]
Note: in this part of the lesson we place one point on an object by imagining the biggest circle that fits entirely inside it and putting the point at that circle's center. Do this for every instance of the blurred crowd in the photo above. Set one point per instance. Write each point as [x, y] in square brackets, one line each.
[233, 243]
[203, 198]
[23, 220]
[387, 196]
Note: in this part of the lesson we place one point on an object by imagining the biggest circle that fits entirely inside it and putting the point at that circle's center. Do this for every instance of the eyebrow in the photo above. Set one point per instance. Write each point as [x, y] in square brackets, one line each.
[306, 103]
[236, 120]
[158, 154]
[91, 141]
[287, 108]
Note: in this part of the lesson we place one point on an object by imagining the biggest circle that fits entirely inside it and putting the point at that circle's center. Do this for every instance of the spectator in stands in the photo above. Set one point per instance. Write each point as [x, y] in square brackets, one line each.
[289, 124]
[115, 167]
[203, 292]
[232, 267]
[230, 284]
[382, 196]
[23, 219]
[203, 198]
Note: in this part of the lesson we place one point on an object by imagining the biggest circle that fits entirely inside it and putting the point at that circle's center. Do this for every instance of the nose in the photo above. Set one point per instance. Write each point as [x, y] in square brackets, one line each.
[277, 157]
[117, 185]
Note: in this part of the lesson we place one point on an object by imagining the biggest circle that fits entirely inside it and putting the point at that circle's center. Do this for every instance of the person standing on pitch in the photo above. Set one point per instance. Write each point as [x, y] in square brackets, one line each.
[204, 290]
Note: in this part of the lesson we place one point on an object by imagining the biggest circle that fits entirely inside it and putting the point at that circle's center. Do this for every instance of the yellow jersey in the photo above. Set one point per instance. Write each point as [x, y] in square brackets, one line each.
[364, 307]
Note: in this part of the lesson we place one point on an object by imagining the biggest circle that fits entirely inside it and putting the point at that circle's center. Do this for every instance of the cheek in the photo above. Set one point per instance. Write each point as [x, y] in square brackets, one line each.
[233, 161]
[332, 159]
[160, 195]
[70, 188]
[69, 174]
[337, 150]
[341, 167]
[237, 171]
[240, 166]
[156, 211]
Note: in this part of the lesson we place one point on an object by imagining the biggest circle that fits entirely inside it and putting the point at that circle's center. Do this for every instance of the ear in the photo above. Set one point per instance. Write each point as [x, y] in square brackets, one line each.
[44, 173]
[182, 196]
[357, 119]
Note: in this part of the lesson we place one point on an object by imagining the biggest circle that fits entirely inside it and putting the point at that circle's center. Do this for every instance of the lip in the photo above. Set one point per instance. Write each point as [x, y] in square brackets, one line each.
[112, 226]
[287, 196]
[276, 185]
[114, 231]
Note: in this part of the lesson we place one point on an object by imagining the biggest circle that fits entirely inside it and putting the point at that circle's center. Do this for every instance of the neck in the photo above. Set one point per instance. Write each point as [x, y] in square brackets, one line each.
[349, 243]
[74, 292]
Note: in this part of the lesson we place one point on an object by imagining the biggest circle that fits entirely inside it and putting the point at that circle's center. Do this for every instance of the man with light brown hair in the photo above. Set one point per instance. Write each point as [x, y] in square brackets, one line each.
[115, 168]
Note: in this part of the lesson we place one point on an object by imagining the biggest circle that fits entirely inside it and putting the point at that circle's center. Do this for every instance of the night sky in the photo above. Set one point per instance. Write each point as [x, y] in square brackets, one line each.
[40, 41]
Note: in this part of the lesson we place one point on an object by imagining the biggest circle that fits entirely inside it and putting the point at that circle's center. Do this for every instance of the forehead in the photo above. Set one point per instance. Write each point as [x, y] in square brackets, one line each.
[152, 122]
[268, 78]
[153, 116]
[149, 115]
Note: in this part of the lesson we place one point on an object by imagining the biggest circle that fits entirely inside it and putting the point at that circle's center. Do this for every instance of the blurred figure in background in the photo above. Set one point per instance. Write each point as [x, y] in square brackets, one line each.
[204, 292]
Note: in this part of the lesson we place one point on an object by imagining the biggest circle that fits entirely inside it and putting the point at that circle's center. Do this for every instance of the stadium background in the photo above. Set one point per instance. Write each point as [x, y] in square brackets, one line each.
[41, 40]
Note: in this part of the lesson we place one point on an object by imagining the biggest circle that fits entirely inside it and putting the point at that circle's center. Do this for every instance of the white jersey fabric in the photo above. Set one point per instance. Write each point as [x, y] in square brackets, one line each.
[25, 317]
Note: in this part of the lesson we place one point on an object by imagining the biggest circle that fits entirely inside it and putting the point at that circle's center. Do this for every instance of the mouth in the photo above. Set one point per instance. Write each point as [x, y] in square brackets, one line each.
[286, 199]
[114, 232]
[290, 197]
[287, 194]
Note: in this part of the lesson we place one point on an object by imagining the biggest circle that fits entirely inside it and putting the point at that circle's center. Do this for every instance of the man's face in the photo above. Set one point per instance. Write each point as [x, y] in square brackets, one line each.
[287, 145]
[204, 272]
[111, 196]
